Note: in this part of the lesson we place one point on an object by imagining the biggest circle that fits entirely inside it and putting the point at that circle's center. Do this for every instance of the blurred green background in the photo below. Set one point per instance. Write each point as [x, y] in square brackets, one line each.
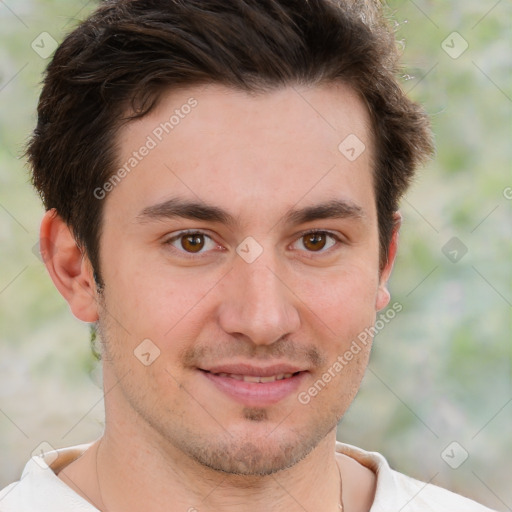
[441, 370]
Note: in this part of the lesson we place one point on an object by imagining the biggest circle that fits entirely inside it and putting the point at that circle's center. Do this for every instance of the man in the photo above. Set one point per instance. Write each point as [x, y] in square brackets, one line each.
[221, 181]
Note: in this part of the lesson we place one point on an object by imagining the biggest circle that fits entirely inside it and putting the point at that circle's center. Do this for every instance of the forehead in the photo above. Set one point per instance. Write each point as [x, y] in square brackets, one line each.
[214, 143]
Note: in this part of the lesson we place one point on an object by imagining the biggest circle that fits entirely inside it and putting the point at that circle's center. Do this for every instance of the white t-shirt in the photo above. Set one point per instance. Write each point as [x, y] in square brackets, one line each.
[40, 490]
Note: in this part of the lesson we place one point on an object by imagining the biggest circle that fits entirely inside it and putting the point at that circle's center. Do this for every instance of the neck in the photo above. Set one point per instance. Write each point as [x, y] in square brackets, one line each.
[156, 477]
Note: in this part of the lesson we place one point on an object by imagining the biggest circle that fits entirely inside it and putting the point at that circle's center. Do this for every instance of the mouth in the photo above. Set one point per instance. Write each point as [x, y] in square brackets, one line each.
[253, 389]
[256, 378]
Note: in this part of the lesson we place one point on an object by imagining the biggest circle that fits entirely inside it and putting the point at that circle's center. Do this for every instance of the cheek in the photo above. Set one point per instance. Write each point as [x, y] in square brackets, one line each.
[164, 305]
[343, 299]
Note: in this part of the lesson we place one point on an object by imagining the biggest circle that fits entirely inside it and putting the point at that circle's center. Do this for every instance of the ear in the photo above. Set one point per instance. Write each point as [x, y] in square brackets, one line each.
[69, 268]
[383, 295]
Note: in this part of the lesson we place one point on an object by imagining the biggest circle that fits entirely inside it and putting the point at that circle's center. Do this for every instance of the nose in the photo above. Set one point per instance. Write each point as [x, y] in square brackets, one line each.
[257, 303]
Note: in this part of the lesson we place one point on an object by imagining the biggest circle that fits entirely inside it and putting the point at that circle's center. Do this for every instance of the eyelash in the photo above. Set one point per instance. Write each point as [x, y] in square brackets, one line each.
[170, 240]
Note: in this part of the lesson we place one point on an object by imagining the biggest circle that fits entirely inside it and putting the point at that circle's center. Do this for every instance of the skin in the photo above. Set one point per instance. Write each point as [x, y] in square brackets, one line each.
[256, 157]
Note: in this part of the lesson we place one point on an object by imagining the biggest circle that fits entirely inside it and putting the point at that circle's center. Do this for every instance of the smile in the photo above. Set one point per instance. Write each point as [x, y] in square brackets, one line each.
[255, 390]
[256, 378]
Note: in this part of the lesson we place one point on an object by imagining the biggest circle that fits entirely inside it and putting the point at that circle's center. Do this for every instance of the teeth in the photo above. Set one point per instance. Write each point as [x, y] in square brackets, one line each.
[252, 378]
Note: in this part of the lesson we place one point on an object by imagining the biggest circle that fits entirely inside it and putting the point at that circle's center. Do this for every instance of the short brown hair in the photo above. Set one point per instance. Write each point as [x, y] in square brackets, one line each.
[128, 52]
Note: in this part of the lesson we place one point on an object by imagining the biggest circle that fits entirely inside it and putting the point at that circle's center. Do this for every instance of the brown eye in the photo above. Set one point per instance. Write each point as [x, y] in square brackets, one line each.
[193, 242]
[318, 241]
[315, 241]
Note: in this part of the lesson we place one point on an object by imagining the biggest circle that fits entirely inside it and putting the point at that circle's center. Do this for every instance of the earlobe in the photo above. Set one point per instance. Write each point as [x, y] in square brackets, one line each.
[70, 270]
[383, 295]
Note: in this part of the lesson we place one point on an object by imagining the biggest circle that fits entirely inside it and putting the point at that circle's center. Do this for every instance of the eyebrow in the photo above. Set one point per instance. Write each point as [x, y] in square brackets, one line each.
[178, 207]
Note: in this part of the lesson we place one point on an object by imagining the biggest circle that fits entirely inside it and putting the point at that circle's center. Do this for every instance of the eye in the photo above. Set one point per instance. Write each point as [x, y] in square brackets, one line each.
[317, 241]
[192, 242]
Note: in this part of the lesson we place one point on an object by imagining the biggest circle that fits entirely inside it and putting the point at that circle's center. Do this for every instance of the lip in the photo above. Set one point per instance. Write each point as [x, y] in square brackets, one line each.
[254, 394]
[255, 371]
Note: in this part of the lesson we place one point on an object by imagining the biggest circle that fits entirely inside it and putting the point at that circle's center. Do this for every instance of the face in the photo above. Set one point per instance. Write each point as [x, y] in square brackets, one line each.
[241, 246]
